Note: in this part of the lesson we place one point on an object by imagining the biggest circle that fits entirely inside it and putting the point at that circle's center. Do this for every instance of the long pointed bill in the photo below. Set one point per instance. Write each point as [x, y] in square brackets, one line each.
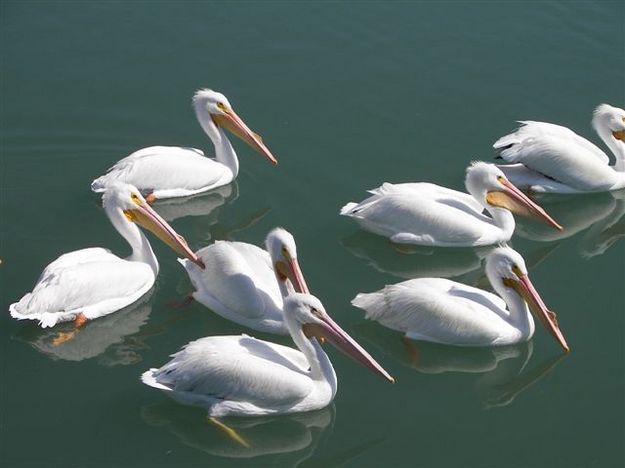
[233, 123]
[516, 201]
[524, 287]
[144, 215]
[293, 273]
[330, 331]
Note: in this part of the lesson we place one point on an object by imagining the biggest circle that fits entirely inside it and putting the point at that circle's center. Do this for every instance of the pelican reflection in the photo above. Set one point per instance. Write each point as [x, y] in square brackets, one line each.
[288, 439]
[205, 210]
[411, 261]
[599, 215]
[504, 371]
[113, 339]
[204, 204]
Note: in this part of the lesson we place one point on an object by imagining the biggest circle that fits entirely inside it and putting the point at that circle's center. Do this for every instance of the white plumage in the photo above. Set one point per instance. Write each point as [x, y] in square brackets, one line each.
[172, 171]
[93, 281]
[240, 375]
[443, 311]
[240, 282]
[551, 158]
[427, 214]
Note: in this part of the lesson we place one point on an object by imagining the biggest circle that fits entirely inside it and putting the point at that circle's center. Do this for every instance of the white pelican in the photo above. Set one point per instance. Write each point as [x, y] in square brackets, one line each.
[428, 214]
[446, 312]
[89, 283]
[174, 171]
[246, 284]
[244, 376]
[555, 159]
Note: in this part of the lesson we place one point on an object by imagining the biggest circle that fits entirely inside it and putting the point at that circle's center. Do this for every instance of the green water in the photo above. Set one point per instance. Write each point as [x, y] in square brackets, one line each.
[347, 96]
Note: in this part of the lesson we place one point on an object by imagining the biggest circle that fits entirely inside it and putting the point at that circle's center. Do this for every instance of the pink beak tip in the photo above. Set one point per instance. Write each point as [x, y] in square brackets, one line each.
[565, 345]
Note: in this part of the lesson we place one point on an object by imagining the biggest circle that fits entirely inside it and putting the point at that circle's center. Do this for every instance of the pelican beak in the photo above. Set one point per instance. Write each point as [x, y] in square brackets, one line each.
[517, 202]
[233, 123]
[329, 330]
[290, 270]
[145, 216]
[524, 287]
[619, 134]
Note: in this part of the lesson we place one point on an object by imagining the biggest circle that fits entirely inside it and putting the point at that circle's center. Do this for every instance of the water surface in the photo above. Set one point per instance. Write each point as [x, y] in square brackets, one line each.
[347, 96]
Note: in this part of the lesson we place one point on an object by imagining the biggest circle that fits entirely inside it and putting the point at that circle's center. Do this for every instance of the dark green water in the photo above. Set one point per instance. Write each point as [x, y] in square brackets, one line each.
[347, 96]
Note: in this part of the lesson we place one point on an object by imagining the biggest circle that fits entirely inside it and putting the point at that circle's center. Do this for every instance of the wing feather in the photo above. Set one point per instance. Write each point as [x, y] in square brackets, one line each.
[236, 368]
[84, 280]
[166, 169]
[423, 216]
[239, 276]
[558, 153]
[438, 310]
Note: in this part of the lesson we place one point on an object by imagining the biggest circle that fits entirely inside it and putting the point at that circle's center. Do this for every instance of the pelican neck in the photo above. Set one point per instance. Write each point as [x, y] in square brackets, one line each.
[320, 366]
[519, 315]
[141, 248]
[224, 151]
[617, 147]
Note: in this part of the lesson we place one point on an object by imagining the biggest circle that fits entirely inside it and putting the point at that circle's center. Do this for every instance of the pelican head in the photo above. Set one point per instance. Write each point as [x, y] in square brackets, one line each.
[307, 312]
[222, 114]
[487, 183]
[506, 267]
[283, 252]
[612, 118]
[128, 200]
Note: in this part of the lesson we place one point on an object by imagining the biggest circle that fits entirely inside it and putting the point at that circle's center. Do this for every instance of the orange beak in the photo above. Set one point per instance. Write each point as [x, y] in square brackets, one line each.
[233, 123]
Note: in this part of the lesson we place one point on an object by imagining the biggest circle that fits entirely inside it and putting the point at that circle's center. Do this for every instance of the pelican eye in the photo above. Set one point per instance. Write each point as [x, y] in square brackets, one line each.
[501, 179]
[135, 198]
[316, 312]
[222, 107]
[517, 271]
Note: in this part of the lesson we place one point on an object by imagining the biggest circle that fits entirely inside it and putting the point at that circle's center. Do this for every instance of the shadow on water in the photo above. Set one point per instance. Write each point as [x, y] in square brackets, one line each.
[598, 215]
[204, 204]
[412, 261]
[503, 370]
[205, 209]
[285, 440]
[115, 339]
[290, 440]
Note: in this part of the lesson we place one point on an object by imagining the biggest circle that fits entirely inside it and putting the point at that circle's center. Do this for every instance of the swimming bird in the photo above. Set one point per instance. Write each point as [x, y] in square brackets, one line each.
[428, 214]
[89, 283]
[174, 171]
[552, 158]
[446, 312]
[244, 376]
[246, 284]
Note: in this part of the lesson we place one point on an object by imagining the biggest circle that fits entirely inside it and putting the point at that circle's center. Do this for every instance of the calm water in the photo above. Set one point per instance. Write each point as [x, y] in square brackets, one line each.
[347, 96]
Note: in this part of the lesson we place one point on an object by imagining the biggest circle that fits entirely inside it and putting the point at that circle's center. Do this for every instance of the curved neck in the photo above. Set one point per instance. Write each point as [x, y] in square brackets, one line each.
[616, 146]
[519, 315]
[285, 286]
[141, 248]
[224, 152]
[503, 219]
[320, 365]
